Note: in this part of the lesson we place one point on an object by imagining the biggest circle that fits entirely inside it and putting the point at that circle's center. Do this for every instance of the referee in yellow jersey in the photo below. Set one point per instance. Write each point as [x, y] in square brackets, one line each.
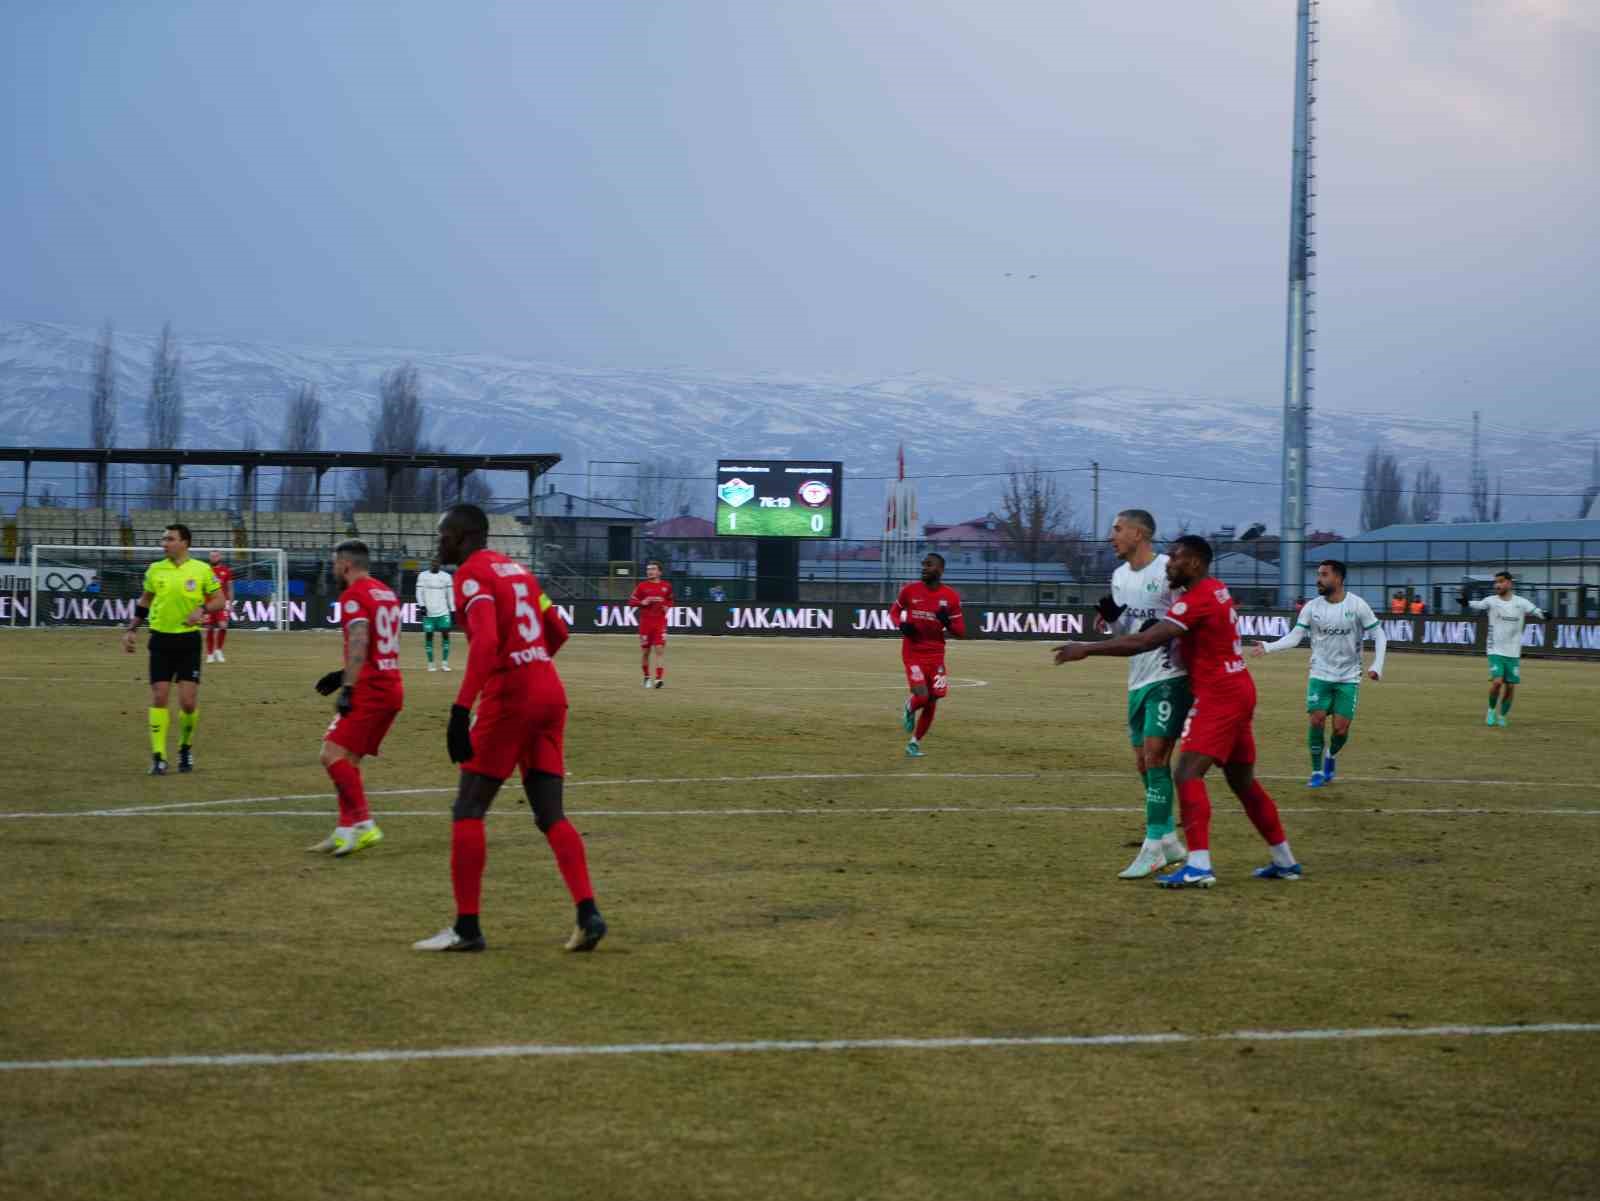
[178, 592]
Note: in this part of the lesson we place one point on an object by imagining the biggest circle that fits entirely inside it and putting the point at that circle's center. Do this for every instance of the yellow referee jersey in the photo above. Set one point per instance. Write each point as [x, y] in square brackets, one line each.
[178, 592]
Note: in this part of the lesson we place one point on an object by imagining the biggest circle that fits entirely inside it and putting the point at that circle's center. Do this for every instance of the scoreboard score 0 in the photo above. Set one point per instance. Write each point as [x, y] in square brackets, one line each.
[778, 498]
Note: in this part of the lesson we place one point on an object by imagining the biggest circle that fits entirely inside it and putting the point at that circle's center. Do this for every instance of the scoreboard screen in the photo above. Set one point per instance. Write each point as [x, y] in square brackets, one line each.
[778, 498]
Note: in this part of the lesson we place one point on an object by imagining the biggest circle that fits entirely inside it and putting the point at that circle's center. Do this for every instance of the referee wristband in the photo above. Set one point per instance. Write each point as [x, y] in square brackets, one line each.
[140, 613]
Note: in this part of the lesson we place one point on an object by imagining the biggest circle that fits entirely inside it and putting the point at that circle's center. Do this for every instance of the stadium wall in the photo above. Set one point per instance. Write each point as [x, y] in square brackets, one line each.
[1561, 638]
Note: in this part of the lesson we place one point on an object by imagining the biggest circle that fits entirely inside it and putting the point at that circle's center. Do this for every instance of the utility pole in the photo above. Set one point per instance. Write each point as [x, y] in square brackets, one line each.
[1299, 349]
[1094, 529]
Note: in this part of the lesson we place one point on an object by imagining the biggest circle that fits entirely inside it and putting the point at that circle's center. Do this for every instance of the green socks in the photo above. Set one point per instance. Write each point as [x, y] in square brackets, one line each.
[158, 731]
[1314, 736]
[1158, 802]
[1505, 706]
[445, 640]
[186, 724]
[1336, 743]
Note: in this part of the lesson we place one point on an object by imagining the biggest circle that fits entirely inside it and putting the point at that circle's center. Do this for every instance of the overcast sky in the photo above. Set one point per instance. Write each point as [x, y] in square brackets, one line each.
[828, 186]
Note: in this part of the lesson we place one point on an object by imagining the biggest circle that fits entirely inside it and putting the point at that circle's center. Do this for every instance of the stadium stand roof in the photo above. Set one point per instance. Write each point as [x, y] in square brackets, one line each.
[565, 504]
[326, 460]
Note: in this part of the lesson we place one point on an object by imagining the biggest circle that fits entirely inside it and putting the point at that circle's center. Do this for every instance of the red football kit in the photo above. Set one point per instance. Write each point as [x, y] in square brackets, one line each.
[513, 633]
[224, 575]
[379, 692]
[652, 617]
[1224, 694]
[922, 651]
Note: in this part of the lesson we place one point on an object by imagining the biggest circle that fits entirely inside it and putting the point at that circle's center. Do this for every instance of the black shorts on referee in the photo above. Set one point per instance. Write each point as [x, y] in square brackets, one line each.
[175, 657]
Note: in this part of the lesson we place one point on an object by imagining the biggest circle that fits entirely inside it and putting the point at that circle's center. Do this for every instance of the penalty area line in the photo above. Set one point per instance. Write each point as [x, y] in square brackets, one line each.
[789, 1046]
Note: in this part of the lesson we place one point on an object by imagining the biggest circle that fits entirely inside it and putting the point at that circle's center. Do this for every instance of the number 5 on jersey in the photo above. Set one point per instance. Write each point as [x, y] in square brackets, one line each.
[528, 624]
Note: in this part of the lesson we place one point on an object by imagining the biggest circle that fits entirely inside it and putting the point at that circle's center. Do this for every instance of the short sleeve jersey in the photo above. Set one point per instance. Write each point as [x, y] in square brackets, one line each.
[1506, 621]
[652, 617]
[368, 600]
[1146, 596]
[179, 589]
[921, 605]
[1337, 632]
[523, 669]
[1211, 645]
[224, 575]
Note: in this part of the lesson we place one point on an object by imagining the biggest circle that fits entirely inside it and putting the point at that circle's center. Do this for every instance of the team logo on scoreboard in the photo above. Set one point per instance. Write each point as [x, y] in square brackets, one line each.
[815, 493]
[735, 492]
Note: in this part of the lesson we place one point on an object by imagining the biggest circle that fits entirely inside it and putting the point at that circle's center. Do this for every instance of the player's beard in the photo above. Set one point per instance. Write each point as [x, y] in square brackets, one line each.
[931, 579]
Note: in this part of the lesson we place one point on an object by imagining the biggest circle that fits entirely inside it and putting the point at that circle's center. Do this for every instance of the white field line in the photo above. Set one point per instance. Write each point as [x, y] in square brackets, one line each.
[801, 777]
[787, 1046]
[828, 811]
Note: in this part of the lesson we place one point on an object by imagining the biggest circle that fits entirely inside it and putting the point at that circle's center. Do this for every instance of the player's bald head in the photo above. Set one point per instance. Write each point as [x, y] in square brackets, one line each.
[465, 519]
[463, 529]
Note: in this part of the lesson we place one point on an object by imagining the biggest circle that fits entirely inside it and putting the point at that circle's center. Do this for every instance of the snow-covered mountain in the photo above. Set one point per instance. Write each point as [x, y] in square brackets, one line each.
[959, 436]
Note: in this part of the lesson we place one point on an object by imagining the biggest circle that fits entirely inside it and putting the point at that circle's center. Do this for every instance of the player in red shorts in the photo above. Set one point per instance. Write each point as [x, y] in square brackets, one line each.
[513, 633]
[653, 598]
[925, 611]
[217, 619]
[1218, 728]
[371, 694]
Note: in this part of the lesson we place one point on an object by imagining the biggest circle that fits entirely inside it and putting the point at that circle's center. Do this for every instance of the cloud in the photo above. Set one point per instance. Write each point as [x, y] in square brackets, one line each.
[1515, 74]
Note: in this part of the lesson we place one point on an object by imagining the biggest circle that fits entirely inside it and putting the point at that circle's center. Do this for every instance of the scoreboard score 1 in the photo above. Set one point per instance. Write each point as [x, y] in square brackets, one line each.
[778, 498]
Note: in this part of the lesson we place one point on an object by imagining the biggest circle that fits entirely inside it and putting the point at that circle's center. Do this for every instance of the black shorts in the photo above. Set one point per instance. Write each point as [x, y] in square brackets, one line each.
[175, 657]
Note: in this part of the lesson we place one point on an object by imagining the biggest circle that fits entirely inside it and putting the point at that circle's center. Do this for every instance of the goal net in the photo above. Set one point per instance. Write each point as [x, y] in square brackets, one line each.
[69, 585]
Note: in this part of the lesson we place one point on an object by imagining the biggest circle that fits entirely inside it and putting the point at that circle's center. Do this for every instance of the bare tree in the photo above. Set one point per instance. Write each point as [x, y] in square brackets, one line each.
[164, 414]
[665, 487]
[397, 429]
[102, 411]
[1425, 505]
[302, 431]
[247, 484]
[1036, 517]
[1382, 491]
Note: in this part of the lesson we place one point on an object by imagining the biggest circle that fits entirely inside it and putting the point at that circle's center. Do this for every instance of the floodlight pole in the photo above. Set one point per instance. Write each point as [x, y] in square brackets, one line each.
[1297, 359]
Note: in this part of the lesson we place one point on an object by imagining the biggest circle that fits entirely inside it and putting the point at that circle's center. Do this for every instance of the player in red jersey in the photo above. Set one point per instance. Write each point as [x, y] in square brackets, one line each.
[925, 611]
[371, 694]
[217, 619]
[653, 598]
[513, 634]
[1218, 728]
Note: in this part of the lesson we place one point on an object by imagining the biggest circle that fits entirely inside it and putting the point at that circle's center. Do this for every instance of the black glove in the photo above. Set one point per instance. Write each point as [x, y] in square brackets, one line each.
[1462, 598]
[346, 701]
[330, 683]
[909, 630]
[458, 737]
[944, 618]
[1109, 610]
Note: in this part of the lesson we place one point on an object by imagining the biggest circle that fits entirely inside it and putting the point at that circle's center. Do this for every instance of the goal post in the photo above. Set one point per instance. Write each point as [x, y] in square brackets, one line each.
[70, 584]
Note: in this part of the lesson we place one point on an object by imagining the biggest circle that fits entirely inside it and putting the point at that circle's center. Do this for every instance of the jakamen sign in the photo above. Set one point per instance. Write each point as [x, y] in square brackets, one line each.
[1563, 638]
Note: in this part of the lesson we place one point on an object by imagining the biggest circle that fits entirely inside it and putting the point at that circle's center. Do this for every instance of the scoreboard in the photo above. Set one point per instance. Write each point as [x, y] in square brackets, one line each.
[778, 498]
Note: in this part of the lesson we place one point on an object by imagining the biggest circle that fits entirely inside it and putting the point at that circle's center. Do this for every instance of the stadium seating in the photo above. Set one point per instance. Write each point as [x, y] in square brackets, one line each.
[58, 525]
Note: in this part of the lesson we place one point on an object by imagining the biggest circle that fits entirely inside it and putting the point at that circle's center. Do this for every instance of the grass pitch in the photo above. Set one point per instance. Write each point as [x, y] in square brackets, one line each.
[774, 869]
